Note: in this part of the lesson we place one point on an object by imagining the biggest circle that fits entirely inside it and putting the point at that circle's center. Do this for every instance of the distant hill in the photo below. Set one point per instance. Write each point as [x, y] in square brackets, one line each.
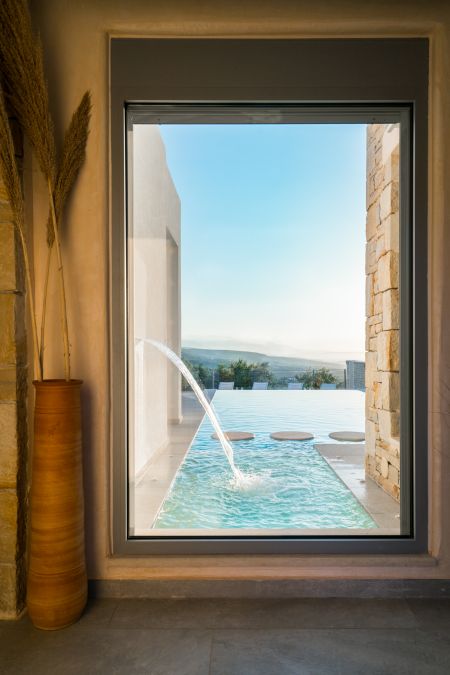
[281, 366]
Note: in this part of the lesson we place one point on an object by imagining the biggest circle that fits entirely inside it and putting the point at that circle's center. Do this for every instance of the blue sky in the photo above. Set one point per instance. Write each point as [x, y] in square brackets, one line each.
[273, 235]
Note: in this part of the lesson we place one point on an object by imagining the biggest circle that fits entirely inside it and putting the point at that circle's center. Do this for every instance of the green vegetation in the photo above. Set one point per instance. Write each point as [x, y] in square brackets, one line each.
[203, 375]
[211, 366]
[312, 379]
[243, 374]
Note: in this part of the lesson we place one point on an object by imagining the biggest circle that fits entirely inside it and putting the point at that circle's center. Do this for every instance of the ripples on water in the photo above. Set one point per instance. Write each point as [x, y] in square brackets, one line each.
[287, 484]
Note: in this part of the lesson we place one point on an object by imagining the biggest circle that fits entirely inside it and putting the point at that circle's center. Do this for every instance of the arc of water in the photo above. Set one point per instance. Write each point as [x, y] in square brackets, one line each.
[184, 370]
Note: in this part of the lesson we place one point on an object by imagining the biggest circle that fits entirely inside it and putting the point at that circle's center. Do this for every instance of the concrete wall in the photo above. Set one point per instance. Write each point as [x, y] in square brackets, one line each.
[382, 308]
[155, 311]
[13, 417]
[75, 36]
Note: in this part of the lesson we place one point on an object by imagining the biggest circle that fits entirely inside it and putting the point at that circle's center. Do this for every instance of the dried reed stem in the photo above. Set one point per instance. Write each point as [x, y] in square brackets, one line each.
[62, 291]
[11, 179]
[44, 305]
[36, 350]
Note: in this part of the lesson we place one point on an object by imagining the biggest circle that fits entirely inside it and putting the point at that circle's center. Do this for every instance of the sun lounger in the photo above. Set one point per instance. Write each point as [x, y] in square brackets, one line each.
[226, 385]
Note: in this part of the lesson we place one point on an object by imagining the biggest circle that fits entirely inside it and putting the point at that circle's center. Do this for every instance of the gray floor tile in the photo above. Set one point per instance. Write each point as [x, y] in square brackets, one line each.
[98, 612]
[101, 651]
[298, 613]
[329, 652]
[431, 613]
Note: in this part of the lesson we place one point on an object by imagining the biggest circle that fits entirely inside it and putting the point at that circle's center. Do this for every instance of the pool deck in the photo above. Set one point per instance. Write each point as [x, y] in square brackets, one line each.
[347, 460]
[153, 486]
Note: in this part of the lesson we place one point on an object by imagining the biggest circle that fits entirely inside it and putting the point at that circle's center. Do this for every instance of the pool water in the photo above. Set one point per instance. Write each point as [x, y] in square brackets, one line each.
[294, 487]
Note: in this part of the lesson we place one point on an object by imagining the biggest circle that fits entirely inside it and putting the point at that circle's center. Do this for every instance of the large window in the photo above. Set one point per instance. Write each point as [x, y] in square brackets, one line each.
[269, 291]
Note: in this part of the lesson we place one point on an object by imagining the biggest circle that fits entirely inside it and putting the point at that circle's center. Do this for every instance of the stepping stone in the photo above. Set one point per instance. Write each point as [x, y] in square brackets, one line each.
[291, 436]
[348, 436]
[235, 436]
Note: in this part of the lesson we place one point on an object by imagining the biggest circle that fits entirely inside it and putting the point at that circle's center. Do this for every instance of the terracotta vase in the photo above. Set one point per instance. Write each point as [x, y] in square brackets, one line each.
[57, 583]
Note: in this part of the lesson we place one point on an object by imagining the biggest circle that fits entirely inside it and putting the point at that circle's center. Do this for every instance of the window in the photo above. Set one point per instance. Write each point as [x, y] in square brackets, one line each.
[180, 484]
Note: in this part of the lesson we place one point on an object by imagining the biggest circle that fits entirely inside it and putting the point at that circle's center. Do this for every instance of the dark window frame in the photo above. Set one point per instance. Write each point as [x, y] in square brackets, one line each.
[366, 80]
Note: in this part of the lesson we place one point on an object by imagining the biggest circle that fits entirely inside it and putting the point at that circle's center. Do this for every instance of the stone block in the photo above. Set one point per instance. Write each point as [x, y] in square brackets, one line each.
[390, 140]
[381, 247]
[389, 200]
[8, 530]
[373, 342]
[372, 414]
[371, 435]
[8, 384]
[371, 260]
[390, 391]
[388, 357]
[7, 332]
[393, 459]
[387, 276]
[371, 366]
[7, 257]
[370, 398]
[369, 295]
[372, 220]
[8, 606]
[393, 445]
[6, 214]
[393, 475]
[384, 465]
[377, 304]
[388, 423]
[8, 445]
[391, 309]
[3, 193]
[392, 167]
[377, 395]
[376, 318]
[391, 227]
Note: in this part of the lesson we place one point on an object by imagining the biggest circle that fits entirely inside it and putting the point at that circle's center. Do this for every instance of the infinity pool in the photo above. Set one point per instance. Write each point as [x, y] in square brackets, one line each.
[295, 489]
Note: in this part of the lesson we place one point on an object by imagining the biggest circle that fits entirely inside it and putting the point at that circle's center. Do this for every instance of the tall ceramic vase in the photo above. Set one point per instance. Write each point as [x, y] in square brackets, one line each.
[57, 583]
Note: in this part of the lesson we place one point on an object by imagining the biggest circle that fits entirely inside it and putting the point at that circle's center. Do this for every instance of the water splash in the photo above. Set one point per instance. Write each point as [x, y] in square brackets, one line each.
[239, 477]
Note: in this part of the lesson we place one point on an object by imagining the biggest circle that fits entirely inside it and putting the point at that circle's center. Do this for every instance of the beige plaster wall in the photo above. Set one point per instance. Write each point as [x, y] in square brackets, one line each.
[75, 35]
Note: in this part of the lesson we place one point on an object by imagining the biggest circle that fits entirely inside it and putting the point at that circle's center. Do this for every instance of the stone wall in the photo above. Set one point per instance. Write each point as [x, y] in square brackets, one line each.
[382, 308]
[13, 421]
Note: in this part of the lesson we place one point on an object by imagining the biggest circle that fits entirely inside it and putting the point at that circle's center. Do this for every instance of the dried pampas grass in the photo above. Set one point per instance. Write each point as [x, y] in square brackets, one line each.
[21, 62]
[72, 158]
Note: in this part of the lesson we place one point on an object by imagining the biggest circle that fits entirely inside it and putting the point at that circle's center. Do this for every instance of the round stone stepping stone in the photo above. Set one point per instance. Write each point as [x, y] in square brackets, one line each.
[291, 436]
[349, 436]
[235, 436]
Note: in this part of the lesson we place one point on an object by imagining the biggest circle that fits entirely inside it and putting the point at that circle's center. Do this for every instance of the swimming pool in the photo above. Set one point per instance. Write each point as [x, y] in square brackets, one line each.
[297, 488]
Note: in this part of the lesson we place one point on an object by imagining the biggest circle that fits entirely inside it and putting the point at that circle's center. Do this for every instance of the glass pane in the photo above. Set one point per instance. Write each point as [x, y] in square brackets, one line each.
[263, 319]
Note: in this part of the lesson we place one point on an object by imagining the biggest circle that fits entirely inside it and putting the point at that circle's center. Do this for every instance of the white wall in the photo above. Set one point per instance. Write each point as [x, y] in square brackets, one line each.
[153, 244]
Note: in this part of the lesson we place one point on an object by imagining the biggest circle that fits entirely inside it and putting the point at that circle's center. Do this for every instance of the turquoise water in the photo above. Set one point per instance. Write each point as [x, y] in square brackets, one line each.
[294, 488]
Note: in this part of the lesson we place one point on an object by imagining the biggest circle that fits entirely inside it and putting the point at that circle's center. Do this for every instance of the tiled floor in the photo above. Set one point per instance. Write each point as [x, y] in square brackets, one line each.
[238, 637]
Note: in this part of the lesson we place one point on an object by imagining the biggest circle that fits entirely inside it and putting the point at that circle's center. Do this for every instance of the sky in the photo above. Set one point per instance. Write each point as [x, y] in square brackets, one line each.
[272, 236]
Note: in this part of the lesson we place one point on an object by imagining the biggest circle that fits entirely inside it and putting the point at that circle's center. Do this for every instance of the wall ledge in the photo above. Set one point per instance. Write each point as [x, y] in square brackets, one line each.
[289, 588]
